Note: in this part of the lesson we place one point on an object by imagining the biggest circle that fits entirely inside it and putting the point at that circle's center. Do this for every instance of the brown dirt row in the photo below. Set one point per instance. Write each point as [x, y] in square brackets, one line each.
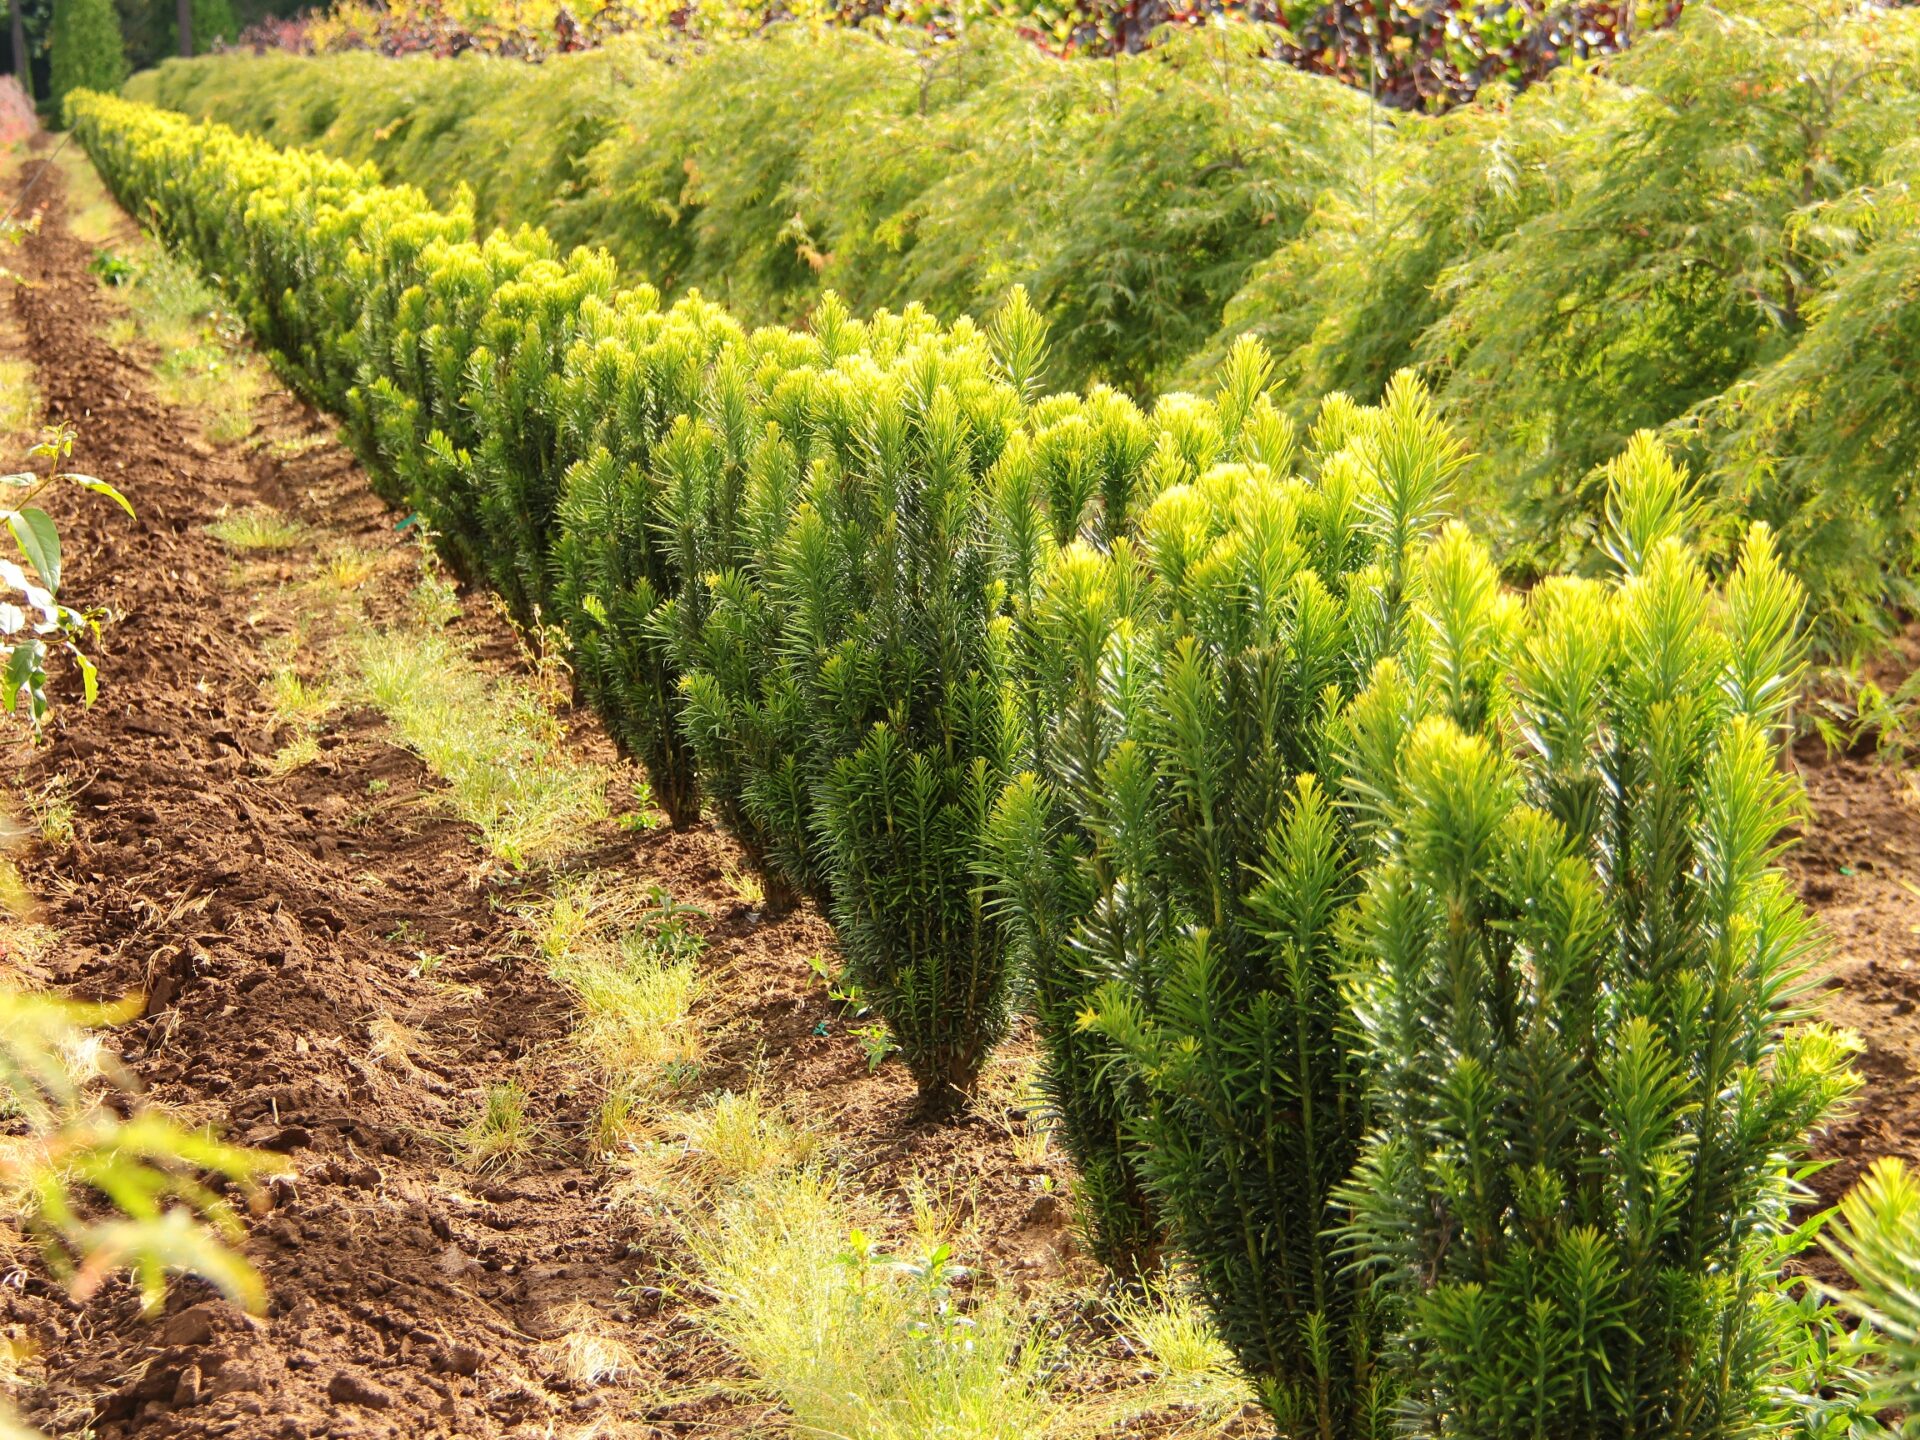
[276, 924]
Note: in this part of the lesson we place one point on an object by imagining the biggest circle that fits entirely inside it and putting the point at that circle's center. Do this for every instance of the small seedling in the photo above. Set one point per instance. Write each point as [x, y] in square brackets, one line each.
[841, 991]
[33, 619]
[111, 268]
[435, 602]
[876, 1043]
[349, 569]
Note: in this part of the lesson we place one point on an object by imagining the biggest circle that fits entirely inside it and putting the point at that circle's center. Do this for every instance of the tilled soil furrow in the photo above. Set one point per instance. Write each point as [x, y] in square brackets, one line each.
[273, 923]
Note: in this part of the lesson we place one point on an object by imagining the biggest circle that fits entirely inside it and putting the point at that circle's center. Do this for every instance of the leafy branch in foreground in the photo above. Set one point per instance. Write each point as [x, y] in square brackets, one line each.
[163, 1216]
[37, 619]
[100, 1191]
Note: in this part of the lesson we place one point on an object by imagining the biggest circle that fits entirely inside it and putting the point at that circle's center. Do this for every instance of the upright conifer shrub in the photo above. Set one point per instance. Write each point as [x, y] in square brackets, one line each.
[632, 371]
[1578, 987]
[514, 383]
[849, 673]
[408, 412]
[1877, 1238]
[1177, 863]
[740, 709]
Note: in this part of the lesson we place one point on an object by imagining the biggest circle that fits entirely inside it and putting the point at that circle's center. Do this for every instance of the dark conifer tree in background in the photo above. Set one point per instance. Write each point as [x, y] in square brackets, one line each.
[88, 52]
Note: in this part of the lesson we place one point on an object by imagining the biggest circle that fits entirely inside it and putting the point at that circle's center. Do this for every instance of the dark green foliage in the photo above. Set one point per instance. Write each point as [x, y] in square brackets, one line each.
[213, 23]
[1579, 979]
[740, 709]
[1176, 867]
[88, 52]
[513, 379]
[1229, 865]
[665, 480]
[631, 372]
[1087, 471]
[877, 727]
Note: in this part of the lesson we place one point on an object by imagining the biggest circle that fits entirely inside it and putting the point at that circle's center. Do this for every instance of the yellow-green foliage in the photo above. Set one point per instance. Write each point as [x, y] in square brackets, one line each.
[858, 1343]
[1710, 237]
[1688, 238]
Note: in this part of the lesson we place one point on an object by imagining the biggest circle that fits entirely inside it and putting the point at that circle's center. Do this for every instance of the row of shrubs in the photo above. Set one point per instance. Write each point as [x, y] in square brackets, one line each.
[1130, 197]
[1423, 57]
[1708, 235]
[1411, 959]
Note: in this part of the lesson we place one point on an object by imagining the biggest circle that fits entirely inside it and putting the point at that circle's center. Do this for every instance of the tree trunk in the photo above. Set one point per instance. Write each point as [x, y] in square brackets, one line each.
[186, 28]
[22, 66]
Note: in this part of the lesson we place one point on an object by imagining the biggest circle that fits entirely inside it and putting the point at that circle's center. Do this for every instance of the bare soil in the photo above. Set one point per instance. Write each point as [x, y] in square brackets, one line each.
[1857, 864]
[274, 924]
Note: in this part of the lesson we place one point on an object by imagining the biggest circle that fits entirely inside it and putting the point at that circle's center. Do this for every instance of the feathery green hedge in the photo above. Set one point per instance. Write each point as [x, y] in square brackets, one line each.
[1370, 914]
[1131, 198]
[1687, 238]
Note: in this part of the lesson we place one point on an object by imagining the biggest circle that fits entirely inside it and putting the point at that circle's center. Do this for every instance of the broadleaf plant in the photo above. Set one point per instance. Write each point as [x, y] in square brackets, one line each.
[36, 623]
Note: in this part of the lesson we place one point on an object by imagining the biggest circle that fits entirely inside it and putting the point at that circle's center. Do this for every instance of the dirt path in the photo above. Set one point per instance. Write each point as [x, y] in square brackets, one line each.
[278, 928]
[1858, 866]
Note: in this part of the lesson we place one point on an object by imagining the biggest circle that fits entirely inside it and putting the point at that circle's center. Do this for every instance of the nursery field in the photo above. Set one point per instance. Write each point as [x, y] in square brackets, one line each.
[818, 734]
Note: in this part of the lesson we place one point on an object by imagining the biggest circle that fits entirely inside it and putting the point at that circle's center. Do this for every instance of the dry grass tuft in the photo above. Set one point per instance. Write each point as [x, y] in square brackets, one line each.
[861, 1344]
[294, 700]
[500, 1137]
[258, 529]
[301, 751]
[586, 1354]
[502, 753]
[393, 1043]
[19, 401]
